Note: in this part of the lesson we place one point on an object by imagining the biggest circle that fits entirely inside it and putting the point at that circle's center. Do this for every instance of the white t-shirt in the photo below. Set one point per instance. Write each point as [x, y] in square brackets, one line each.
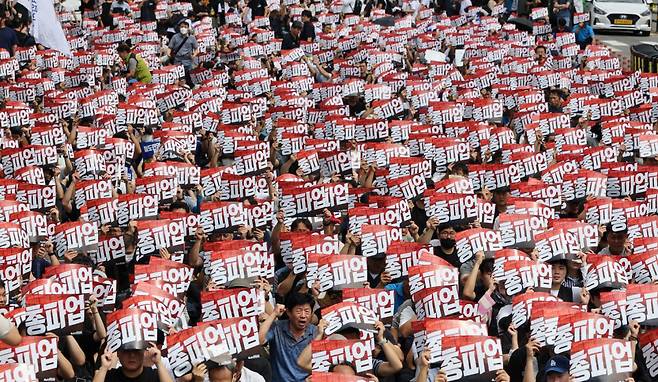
[348, 6]
[247, 376]
[250, 376]
[5, 326]
[464, 4]
[407, 315]
[415, 7]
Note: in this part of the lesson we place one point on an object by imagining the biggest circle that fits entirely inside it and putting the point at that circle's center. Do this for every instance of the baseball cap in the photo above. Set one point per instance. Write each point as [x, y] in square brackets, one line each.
[557, 364]
[134, 345]
[240, 283]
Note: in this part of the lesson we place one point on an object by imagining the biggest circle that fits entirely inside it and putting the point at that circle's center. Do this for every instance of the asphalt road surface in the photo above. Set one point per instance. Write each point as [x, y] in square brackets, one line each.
[622, 41]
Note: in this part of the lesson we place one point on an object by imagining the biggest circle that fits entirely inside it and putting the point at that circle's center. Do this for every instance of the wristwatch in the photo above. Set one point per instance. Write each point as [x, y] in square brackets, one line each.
[382, 342]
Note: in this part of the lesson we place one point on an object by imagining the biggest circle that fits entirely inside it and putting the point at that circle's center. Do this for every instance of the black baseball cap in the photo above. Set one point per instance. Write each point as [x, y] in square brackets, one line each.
[557, 364]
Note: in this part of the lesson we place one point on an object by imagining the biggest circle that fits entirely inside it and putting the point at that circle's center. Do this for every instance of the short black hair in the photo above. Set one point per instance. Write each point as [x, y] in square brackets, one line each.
[15, 23]
[444, 226]
[557, 92]
[502, 190]
[349, 332]
[177, 205]
[303, 221]
[123, 48]
[296, 25]
[297, 299]
[307, 13]
[487, 266]
[83, 260]
[596, 292]
[460, 167]
[251, 199]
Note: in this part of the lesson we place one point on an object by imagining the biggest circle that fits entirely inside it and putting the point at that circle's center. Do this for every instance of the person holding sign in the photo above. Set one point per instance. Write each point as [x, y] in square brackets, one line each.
[132, 367]
[584, 34]
[138, 69]
[8, 332]
[291, 39]
[231, 372]
[288, 338]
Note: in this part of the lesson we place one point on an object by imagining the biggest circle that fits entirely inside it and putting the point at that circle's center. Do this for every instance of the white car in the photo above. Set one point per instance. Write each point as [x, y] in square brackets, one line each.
[626, 15]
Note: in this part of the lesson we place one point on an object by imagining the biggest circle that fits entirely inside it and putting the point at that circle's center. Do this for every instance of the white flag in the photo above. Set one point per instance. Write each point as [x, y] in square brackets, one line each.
[46, 28]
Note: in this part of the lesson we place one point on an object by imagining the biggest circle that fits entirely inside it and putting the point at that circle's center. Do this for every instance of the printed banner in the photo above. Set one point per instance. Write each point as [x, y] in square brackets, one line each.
[334, 352]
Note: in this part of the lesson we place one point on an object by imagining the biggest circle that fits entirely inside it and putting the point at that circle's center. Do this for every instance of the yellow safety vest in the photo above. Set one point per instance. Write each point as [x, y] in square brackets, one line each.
[142, 72]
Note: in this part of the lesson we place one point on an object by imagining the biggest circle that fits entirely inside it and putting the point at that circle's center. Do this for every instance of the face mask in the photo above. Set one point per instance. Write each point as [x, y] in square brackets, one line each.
[448, 243]
[184, 30]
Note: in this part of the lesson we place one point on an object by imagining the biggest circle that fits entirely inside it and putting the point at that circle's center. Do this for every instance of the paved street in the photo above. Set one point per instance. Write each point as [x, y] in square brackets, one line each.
[621, 42]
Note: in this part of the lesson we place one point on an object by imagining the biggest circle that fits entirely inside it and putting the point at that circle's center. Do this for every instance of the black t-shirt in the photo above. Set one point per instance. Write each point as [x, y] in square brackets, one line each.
[147, 11]
[148, 375]
[257, 7]
[25, 39]
[452, 258]
[277, 26]
[289, 42]
[308, 31]
[419, 216]
[87, 5]
[106, 15]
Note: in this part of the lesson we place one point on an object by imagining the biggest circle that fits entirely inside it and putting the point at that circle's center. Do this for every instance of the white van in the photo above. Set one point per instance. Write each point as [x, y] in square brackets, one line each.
[626, 15]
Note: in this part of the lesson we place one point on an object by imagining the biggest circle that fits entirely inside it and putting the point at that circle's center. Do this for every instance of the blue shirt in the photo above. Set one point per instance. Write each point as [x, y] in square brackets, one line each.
[8, 39]
[39, 266]
[285, 349]
[398, 288]
[583, 33]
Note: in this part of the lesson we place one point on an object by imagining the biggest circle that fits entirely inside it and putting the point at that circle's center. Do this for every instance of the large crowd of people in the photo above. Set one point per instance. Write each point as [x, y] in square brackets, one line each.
[342, 191]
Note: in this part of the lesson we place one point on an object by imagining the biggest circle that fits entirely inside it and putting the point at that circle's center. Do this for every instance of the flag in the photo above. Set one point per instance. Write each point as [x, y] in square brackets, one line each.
[45, 28]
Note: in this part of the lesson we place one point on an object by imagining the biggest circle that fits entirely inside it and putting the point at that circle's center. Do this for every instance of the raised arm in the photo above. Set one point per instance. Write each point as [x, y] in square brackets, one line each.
[393, 362]
[267, 324]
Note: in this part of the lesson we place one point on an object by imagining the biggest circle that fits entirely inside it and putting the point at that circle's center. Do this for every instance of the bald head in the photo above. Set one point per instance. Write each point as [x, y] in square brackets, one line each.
[226, 373]
[344, 370]
[220, 374]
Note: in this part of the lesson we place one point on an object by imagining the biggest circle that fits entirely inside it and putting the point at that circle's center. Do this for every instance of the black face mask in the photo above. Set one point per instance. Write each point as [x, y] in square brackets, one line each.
[448, 243]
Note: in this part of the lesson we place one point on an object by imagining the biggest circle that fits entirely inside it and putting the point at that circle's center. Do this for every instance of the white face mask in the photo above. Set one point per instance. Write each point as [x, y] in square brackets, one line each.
[184, 31]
